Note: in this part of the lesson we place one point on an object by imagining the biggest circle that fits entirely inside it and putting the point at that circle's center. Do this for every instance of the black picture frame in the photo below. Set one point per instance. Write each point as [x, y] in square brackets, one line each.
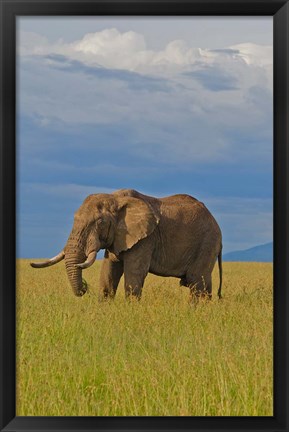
[10, 9]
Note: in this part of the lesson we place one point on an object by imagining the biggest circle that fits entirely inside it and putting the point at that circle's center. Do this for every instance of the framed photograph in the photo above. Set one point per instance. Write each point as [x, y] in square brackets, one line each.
[144, 222]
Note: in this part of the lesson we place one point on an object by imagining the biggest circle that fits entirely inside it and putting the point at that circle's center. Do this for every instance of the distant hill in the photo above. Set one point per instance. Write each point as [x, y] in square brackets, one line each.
[261, 253]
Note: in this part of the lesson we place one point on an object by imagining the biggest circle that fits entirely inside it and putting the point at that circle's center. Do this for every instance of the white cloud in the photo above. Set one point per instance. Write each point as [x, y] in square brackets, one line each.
[111, 41]
[128, 50]
[255, 54]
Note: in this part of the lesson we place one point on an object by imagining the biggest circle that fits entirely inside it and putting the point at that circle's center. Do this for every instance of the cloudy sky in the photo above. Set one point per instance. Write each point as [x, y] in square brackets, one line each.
[161, 105]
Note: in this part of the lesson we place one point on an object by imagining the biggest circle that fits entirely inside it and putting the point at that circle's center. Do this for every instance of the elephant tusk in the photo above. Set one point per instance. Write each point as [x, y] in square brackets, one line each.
[89, 261]
[50, 262]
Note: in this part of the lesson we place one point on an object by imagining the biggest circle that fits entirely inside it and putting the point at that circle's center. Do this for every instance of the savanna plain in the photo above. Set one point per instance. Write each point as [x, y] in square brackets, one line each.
[161, 356]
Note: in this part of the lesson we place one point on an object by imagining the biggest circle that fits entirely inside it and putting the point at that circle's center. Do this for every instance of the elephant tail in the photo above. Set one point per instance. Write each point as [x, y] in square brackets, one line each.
[220, 273]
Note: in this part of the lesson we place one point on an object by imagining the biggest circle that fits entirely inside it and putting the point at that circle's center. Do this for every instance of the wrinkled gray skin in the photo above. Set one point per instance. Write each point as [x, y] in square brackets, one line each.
[172, 236]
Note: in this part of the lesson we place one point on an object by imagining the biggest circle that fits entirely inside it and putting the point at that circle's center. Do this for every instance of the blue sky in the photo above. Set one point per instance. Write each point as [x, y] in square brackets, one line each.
[161, 105]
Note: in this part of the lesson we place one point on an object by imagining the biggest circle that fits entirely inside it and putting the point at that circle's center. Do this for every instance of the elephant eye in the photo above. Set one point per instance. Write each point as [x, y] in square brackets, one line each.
[100, 221]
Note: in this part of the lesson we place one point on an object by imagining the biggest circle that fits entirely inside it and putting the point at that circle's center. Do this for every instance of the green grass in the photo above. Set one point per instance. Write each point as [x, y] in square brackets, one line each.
[157, 357]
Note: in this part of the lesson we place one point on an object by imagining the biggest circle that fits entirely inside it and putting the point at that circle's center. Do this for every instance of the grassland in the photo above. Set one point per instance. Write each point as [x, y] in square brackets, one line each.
[160, 356]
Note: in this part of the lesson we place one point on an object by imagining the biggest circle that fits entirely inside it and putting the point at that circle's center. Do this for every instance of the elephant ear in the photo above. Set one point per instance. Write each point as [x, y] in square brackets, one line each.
[136, 220]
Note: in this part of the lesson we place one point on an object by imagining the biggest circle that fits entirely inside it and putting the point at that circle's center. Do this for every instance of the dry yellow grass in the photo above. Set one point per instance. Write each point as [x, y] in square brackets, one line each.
[160, 356]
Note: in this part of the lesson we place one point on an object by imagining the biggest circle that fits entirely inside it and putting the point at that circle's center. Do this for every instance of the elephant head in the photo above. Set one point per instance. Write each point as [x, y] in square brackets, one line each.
[103, 221]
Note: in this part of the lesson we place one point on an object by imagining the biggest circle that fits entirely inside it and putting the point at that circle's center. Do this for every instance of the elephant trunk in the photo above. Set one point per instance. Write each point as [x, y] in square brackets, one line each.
[74, 273]
[80, 253]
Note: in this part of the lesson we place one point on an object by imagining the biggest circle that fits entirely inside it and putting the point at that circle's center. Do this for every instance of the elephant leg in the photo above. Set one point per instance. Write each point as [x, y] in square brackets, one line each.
[110, 274]
[207, 291]
[134, 276]
[136, 266]
[200, 287]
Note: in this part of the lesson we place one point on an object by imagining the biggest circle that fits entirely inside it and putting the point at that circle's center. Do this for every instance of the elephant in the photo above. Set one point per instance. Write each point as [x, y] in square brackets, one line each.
[173, 236]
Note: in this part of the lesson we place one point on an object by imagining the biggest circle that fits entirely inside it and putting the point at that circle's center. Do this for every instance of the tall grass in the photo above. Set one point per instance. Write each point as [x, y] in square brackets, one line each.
[157, 357]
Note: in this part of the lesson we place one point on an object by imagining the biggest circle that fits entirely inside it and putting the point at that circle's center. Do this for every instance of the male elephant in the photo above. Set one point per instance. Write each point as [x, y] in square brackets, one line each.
[172, 236]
